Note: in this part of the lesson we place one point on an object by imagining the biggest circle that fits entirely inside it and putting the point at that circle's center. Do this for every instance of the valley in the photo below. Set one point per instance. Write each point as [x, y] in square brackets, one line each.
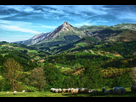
[89, 56]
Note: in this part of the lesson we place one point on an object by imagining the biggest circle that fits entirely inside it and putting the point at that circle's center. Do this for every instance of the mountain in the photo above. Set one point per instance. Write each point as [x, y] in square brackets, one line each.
[64, 32]
[66, 35]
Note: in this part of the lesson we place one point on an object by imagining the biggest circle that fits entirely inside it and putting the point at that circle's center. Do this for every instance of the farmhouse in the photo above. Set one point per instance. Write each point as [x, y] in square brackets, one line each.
[86, 51]
[62, 67]
[91, 50]
[116, 53]
[42, 60]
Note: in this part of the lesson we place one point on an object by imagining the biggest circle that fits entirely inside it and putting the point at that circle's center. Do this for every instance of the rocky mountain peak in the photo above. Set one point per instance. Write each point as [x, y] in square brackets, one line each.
[65, 23]
[66, 26]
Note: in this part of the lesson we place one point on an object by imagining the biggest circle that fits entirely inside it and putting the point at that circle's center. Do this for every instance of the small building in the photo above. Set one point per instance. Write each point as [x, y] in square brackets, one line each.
[91, 50]
[86, 51]
[116, 53]
[62, 67]
[42, 60]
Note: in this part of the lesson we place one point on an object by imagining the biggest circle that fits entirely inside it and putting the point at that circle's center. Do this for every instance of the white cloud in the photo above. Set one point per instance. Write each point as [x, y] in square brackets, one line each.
[56, 11]
[9, 15]
[16, 23]
[13, 39]
[26, 8]
[45, 26]
[83, 23]
[78, 9]
[16, 28]
[25, 26]
[127, 15]
[101, 21]
[97, 9]
[20, 36]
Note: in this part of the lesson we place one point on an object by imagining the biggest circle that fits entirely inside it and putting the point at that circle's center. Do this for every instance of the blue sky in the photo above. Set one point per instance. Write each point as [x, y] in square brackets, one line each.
[21, 22]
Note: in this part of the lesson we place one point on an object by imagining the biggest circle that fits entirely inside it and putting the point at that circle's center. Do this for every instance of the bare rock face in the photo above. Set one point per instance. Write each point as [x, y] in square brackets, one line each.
[65, 26]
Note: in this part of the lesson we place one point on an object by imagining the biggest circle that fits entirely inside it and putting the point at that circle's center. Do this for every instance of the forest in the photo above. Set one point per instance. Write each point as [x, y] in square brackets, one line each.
[99, 70]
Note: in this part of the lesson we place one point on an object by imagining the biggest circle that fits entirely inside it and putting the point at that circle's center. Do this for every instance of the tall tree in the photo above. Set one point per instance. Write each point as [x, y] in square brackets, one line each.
[53, 75]
[12, 71]
[37, 77]
[92, 76]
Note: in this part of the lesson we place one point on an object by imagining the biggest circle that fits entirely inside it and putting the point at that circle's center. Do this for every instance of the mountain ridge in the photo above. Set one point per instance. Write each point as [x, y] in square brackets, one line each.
[65, 30]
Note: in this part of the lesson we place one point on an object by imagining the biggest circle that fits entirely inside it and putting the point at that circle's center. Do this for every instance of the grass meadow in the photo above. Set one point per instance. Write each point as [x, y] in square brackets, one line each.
[51, 94]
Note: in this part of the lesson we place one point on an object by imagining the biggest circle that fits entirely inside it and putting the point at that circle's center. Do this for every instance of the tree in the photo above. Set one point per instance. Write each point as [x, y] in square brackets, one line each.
[54, 77]
[38, 78]
[11, 71]
[92, 77]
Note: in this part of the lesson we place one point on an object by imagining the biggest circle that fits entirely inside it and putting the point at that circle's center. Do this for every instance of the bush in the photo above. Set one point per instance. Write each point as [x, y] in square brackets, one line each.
[19, 87]
[31, 89]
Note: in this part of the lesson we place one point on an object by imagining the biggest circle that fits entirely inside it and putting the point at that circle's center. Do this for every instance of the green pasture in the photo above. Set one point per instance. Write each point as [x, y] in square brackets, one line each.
[100, 45]
[82, 53]
[1, 77]
[34, 51]
[82, 44]
[4, 54]
[47, 93]
[37, 57]
[66, 67]
[19, 48]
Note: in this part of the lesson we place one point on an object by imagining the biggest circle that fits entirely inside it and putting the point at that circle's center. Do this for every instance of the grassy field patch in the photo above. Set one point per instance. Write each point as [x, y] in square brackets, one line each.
[82, 53]
[82, 44]
[34, 51]
[59, 66]
[51, 94]
[65, 69]
[4, 54]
